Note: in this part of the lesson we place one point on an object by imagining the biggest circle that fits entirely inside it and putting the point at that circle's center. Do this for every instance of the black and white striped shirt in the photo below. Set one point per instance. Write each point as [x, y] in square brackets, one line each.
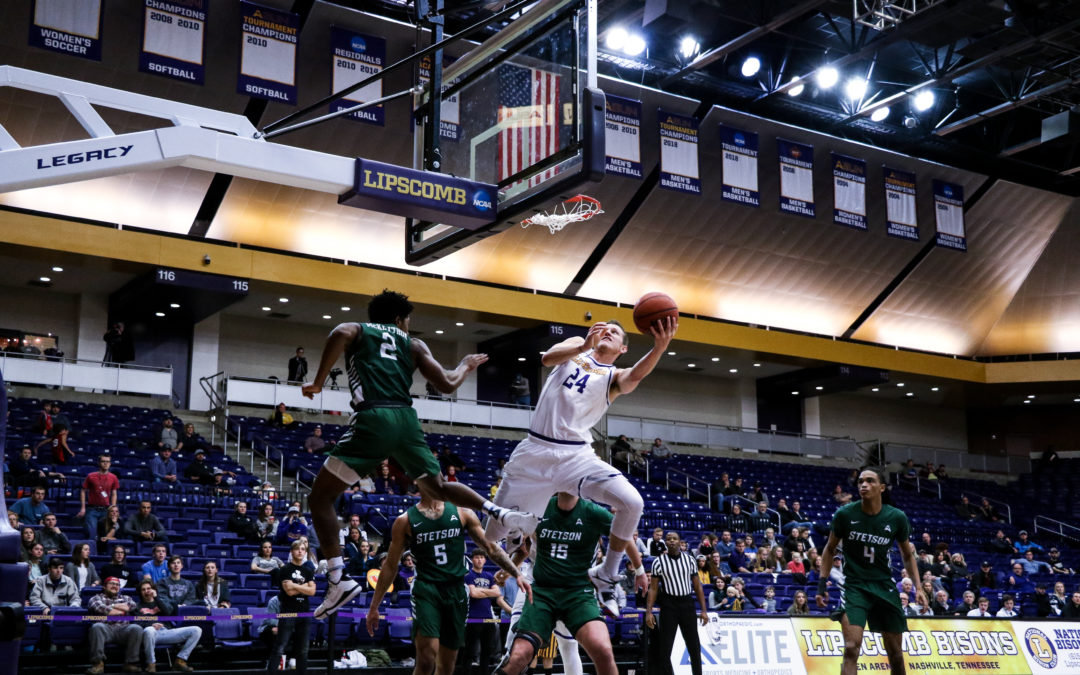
[675, 574]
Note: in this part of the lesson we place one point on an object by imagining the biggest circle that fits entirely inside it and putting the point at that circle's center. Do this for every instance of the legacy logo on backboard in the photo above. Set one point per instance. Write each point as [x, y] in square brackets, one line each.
[81, 157]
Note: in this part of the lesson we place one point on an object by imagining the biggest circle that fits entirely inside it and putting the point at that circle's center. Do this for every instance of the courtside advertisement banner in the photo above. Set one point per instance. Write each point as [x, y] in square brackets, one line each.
[740, 166]
[742, 645]
[450, 110]
[70, 27]
[355, 57]
[174, 42]
[268, 53]
[949, 211]
[622, 125]
[679, 153]
[796, 178]
[849, 191]
[900, 213]
[1050, 646]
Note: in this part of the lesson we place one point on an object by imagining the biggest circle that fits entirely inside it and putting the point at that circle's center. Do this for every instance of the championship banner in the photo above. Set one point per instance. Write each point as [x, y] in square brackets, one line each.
[740, 166]
[796, 178]
[949, 210]
[742, 645]
[450, 110]
[268, 53]
[849, 191]
[1050, 646]
[173, 39]
[354, 57]
[930, 646]
[622, 125]
[67, 26]
[679, 153]
[903, 223]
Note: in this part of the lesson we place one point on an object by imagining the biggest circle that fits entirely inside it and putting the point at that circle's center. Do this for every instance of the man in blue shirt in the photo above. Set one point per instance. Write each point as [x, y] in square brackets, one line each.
[163, 467]
[1031, 565]
[31, 509]
[156, 569]
[482, 592]
[1025, 544]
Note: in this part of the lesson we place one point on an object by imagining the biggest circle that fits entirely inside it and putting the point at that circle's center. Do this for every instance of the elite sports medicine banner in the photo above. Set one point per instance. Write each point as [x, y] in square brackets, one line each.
[450, 110]
[742, 645]
[900, 212]
[679, 153]
[268, 53]
[796, 178]
[622, 125]
[68, 27]
[949, 210]
[354, 57]
[174, 43]
[740, 166]
[849, 191]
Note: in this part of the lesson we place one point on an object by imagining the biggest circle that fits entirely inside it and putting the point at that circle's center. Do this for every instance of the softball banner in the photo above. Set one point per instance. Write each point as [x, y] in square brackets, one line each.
[67, 26]
[679, 153]
[268, 40]
[355, 57]
[174, 34]
[622, 125]
[740, 166]
[903, 223]
[849, 191]
[742, 645]
[949, 210]
[796, 178]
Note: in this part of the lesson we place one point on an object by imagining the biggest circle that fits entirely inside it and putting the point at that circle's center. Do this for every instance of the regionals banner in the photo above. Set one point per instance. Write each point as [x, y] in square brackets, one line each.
[849, 191]
[949, 210]
[354, 57]
[902, 220]
[796, 178]
[679, 153]
[740, 166]
[622, 124]
[67, 26]
[268, 53]
[174, 42]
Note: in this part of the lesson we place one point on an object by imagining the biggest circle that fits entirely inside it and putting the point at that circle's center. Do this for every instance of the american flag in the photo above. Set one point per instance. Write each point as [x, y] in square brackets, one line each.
[529, 114]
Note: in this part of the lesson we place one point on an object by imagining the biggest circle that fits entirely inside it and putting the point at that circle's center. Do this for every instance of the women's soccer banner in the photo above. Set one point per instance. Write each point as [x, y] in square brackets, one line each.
[622, 125]
[949, 211]
[796, 178]
[268, 39]
[900, 213]
[740, 166]
[70, 27]
[355, 57]
[849, 191]
[174, 39]
[679, 153]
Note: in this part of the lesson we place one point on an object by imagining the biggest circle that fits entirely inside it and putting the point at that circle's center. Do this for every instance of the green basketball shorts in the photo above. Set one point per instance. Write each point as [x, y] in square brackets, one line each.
[874, 604]
[439, 611]
[575, 607]
[380, 433]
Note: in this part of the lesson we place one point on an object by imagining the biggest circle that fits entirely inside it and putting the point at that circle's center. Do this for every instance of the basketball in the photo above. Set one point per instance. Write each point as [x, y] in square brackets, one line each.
[652, 307]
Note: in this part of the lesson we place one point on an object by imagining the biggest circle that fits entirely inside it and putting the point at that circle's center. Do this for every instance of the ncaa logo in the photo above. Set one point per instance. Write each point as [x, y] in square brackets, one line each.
[739, 138]
[357, 44]
[948, 191]
[482, 201]
[1040, 648]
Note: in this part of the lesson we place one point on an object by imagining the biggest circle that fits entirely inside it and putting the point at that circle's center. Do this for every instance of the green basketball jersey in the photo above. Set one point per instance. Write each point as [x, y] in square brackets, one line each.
[438, 545]
[380, 364]
[566, 542]
[868, 540]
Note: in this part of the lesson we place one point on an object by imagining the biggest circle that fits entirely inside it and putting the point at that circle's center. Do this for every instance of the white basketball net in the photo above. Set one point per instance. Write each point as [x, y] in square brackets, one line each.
[572, 210]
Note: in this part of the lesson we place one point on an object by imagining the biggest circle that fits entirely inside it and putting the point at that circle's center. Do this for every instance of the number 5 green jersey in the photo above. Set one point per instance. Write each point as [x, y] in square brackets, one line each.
[380, 364]
[438, 545]
[867, 540]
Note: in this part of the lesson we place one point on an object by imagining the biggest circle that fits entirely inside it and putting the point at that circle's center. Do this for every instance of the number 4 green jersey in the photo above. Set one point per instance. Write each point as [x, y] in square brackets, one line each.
[566, 543]
[380, 364]
[438, 545]
[868, 540]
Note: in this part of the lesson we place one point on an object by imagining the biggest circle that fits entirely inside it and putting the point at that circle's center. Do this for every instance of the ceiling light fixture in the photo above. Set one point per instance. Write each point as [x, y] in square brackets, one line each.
[924, 100]
[521, 358]
[267, 309]
[44, 280]
[439, 332]
[1027, 401]
[879, 114]
[671, 353]
[797, 89]
[459, 324]
[174, 305]
[750, 66]
[691, 365]
[757, 365]
[1031, 395]
[616, 38]
[827, 77]
[875, 389]
[935, 388]
[635, 45]
[345, 308]
[159, 313]
[283, 299]
[58, 269]
[733, 370]
[855, 88]
[689, 47]
[794, 393]
[899, 384]
[326, 316]
[715, 359]
[910, 393]
[819, 388]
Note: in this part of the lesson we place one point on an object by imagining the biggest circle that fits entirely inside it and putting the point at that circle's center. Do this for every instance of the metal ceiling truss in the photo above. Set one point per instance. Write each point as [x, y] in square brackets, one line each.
[886, 14]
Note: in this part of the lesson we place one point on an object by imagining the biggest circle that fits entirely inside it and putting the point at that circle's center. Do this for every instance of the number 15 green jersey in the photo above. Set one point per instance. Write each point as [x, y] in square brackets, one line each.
[868, 540]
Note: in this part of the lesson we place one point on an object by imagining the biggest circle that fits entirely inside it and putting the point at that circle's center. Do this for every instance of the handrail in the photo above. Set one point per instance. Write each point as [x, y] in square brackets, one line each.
[1058, 527]
[307, 471]
[215, 398]
[75, 361]
[707, 493]
[269, 447]
[953, 457]
[1008, 509]
[750, 514]
[918, 483]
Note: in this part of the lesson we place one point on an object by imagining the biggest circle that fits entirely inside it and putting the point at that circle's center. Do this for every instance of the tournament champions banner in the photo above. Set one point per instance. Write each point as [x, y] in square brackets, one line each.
[173, 39]
[900, 213]
[70, 27]
[796, 178]
[740, 166]
[949, 209]
[679, 153]
[450, 110]
[622, 125]
[268, 53]
[354, 58]
[849, 191]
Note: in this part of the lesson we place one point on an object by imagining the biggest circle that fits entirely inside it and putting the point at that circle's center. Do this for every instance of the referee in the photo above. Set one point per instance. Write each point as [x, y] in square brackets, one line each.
[674, 574]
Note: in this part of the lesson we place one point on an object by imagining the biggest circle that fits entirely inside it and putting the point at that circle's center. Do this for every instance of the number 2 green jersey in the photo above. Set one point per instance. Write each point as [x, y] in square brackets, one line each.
[868, 540]
[566, 542]
[380, 364]
[438, 545]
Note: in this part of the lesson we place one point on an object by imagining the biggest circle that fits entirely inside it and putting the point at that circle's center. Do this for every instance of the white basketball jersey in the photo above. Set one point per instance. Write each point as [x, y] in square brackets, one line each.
[574, 398]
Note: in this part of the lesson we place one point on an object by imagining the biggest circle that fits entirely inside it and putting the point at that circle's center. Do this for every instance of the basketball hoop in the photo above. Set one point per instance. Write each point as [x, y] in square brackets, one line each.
[577, 208]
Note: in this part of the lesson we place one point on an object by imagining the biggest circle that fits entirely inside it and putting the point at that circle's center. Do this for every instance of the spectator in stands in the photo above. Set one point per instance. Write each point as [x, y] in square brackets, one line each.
[1031, 565]
[51, 537]
[31, 509]
[1058, 600]
[910, 471]
[55, 589]
[36, 562]
[296, 584]
[719, 592]
[793, 543]
[640, 544]
[967, 605]
[167, 436]
[298, 367]
[987, 511]
[1049, 460]
[905, 585]
[110, 603]
[157, 568]
[621, 450]
[243, 525]
[447, 458]
[840, 496]
[984, 578]
[928, 471]
[174, 588]
[743, 597]
[199, 471]
[799, 607]
[59, 448]
[191, 440]
[1057, 565]
[982, 609]
[798, 519]
[1025, 544]
[1042, 601]
[738, 561]
[211, 590]
[142, 525]
[267, 523]
[163, 466]
[966, 510]
[315, 442]
[958, 567]
[659, 450]
[1018, 580]
[117, 567]
[941, 472]
[737, 521]
[1072, 610]
[109, 529]
[265, 562]
[355, 554]
[451, 475]
[43, 423]
[926, 544]
[785, 514]
[118, 345]
[703, 569]
[292, 527]
[354, 522]
[385, 483]
[27, 539]
[760, 519]
[60, 419]
[159, 634]
[796, 566]
[268, 628]
[24, 471]
[97, 494]
[769, 540]
[1008, 608]
[906, 607]
[768, 604]
[775, 562]
[282, 419]
[707, 544]
[1002, 544]
[757, 494]
[81, 569]
[656, 544]
[520, 393]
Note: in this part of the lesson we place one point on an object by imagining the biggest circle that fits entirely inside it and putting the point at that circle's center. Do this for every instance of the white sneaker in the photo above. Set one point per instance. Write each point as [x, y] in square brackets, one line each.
[525, 523]
[292, 664]
[605, 590]
[338, 595]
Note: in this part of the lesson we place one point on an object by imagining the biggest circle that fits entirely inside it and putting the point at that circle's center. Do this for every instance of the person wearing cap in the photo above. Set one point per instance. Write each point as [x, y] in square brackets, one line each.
[1057, 566]
[984, 578]
[1025, 544]
[1042, 601]
[163, 466]
[159, 634]
[110, 603]
[292, 526]
[199, 471]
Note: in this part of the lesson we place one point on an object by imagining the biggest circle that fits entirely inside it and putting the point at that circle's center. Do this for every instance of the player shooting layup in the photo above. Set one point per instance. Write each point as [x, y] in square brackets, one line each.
[557, 455]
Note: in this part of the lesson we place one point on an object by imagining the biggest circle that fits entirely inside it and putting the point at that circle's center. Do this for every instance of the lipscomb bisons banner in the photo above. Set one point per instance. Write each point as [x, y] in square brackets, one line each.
[354, 57]
[622, 124]
[268, 39]
[949, 214]
[796, 178]
[679, 153]
[450, 110]
[70, 27]
[740, 166]
[849, 191]
[901, 215]
[174, 43]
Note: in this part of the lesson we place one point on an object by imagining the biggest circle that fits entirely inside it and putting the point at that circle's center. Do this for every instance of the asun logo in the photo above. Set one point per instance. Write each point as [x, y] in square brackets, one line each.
[1040, 648]
[482, 201]
[357, 44]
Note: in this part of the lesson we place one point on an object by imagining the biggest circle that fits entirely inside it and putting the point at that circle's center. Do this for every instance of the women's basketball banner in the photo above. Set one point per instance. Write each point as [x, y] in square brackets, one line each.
[450, 108]
[949, 210]
[900, 212]
[268, 40]
[622, 124]
[796, 178]
[849, 191]
[679, 153]
[355, 57]
[740, 166]
[67, 26]
[174, 43]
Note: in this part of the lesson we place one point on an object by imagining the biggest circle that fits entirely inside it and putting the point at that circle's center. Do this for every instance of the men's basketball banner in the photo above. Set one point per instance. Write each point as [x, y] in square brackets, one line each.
[949, 211]
[741, 645]
[67, 26]
[900, 214]
[849, 191]
[740, 166]
[1049, 646]
[174, 43]
[622, 124]
[679, 153]
[449, 108]
[796, 178]
[268, 40]
[355, 57]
